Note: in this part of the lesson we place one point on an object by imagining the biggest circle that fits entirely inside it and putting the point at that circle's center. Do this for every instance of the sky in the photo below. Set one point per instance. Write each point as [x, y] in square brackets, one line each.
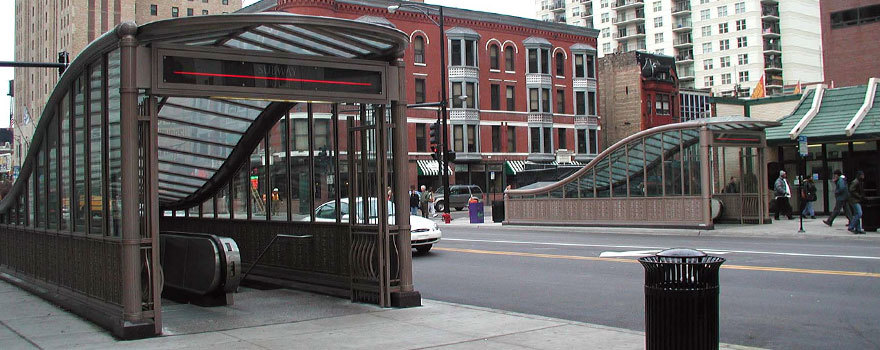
[521, 8]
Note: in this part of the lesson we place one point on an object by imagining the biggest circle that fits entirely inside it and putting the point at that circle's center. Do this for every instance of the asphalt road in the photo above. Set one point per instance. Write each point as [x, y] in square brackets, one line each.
[775, 293]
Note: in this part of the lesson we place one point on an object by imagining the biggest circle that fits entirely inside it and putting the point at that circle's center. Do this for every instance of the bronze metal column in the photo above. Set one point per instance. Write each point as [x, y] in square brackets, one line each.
[131, 267]
[406, 297]
[705, 177]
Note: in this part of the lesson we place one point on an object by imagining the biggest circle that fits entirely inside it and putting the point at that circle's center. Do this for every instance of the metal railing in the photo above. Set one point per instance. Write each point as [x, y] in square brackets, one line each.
[681, 6]
[769, 11]
[621, 3]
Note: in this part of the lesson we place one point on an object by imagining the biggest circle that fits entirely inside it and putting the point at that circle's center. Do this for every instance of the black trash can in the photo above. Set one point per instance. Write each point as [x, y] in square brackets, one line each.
[871, 213]
[681, 300]
[497, 211]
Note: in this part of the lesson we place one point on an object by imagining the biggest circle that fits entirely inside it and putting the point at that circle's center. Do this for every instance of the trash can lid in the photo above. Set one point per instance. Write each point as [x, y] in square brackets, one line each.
[681, 253]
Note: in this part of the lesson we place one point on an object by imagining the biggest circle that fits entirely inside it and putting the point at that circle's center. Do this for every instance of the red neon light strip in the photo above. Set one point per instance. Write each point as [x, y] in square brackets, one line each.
[272, 78]
[735, 139]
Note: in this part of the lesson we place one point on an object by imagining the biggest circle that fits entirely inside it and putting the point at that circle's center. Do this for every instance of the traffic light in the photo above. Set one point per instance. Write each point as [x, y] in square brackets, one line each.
[435, 133]
[63, 58]
[435, 152]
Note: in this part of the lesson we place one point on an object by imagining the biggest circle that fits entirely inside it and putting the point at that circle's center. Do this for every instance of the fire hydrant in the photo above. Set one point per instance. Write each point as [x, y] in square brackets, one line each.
[447, 218]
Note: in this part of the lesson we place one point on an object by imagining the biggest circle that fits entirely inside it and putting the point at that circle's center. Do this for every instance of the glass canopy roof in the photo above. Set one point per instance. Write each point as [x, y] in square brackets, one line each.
[197, 135]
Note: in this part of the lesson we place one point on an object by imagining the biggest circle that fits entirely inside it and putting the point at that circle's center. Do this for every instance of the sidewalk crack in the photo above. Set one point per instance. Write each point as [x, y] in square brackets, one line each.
[20, 335]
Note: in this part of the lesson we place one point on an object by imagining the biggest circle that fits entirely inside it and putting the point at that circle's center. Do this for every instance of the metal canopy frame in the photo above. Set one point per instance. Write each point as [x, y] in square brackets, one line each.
[615, 188]
[179, 146]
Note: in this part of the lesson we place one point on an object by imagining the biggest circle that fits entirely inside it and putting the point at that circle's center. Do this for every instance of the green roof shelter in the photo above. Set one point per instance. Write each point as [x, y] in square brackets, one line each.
[842, 127]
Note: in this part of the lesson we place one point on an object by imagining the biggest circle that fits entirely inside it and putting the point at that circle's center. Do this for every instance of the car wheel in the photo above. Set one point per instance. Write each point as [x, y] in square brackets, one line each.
[424, 249]
[459, 208]
[440, 206]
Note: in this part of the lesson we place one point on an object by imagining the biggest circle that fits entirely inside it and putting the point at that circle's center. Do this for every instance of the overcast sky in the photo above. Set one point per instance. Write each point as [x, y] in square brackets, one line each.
[521, 8]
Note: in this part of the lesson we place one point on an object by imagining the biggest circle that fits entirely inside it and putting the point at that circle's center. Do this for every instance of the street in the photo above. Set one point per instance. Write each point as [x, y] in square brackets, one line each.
[779, 293]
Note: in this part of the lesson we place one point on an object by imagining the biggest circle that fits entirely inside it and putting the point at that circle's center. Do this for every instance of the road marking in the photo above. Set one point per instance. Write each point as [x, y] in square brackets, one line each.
[718, 251]
[592, 258]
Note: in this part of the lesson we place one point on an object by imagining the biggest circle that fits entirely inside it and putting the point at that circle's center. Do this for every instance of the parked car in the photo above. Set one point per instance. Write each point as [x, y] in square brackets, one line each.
[424, 233]
[458, 198]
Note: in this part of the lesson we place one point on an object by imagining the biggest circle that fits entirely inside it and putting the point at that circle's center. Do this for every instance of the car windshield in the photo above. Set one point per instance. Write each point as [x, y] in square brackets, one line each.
[328, 210]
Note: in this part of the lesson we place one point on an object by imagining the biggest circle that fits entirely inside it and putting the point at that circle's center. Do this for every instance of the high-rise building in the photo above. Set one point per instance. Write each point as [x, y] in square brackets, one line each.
[721, 45]
[43, 28]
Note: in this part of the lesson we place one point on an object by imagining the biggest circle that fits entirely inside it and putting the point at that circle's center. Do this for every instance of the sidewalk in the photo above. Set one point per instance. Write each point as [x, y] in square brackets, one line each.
[784, 228]
[28, 322]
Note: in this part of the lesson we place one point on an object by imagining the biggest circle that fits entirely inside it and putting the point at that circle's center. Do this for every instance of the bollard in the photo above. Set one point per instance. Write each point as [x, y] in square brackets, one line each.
[681, 300]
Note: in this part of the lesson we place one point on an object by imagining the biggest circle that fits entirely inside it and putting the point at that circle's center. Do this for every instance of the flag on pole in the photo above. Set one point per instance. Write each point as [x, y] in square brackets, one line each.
[797, 88]
[758, 91]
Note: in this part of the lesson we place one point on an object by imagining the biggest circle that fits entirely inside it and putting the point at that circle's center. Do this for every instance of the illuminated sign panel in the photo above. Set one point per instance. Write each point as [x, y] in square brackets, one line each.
[721, 138]
[272, 77]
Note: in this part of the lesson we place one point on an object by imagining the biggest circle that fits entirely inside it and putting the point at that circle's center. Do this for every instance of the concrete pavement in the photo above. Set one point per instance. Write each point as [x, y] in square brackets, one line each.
[814, 228]
[28, 322]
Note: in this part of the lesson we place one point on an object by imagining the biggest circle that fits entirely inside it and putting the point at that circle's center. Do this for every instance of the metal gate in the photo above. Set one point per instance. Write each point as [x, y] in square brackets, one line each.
[374, 252]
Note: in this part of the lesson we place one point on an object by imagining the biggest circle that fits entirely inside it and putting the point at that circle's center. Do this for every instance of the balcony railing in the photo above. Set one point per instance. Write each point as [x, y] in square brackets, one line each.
[686, 73]
[684, 57]
[769, 11]
[771, 30]
[625, 19]
[629, 34]
[682, 41]
[774, 82]
[772, 47]
[682, 25]
[626, 3]
[554, 5]
[774, 64]
[681, 6]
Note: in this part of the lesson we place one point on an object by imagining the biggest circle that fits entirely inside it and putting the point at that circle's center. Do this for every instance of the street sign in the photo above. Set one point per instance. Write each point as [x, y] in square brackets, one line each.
[802, 146]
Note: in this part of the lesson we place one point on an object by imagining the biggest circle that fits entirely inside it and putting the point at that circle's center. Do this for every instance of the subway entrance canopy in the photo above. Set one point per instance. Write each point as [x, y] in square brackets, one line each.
[251, 126]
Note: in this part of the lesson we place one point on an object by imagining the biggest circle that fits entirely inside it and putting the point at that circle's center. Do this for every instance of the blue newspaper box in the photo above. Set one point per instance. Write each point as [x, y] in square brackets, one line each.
[475, 211]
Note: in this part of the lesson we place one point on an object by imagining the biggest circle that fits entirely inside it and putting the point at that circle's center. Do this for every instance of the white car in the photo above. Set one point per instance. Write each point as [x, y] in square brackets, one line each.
[424, 233]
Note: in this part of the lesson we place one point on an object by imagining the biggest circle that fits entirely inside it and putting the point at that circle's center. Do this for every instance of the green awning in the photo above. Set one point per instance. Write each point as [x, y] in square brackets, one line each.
[429, 167]
[837, 109]
[513, 167]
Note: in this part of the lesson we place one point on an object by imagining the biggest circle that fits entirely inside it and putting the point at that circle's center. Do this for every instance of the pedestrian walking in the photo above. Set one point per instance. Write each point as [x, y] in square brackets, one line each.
[783, 193]
[808, 196]
[431, 209]
[413, 200]
[856, 196]
[423, 201]
[841, 197]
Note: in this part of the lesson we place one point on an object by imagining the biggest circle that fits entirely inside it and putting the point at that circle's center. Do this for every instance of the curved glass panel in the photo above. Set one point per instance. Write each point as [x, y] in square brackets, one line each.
[672, 166]
[603, 179]
[618, 172]
[654, 165]
[636, 168]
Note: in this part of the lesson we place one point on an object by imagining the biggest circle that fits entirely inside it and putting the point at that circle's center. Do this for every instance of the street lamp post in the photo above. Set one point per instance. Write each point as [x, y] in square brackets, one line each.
[444, 151]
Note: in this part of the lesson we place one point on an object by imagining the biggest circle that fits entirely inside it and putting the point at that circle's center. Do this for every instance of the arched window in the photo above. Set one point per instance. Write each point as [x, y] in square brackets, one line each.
[508, 59]
[493, 58]
[560, 65]
[419, 49]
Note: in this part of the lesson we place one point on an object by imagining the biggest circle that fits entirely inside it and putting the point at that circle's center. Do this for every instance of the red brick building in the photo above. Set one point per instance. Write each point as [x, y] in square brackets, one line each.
[530, 87]
[850, 40]
[639, 91]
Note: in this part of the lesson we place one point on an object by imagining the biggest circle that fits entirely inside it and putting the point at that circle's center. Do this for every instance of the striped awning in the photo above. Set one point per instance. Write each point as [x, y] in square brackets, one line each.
[430, 167]
[573, 162]
[513, 167]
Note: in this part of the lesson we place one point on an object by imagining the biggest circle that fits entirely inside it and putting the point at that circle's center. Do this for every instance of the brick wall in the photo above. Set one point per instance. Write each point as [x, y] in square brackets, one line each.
[620, 97]
[850, 54]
